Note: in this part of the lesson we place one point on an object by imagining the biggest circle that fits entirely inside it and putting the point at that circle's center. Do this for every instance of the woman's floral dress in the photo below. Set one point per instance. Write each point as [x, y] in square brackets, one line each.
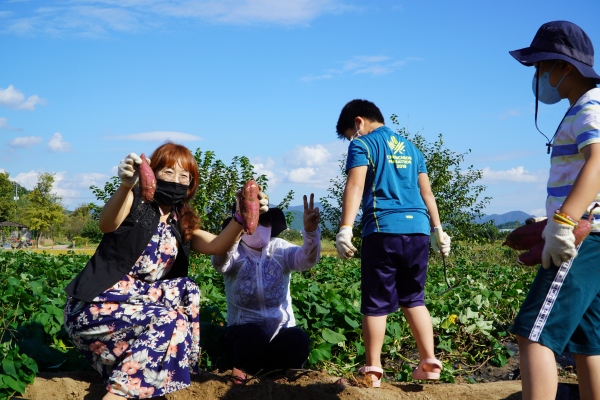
[142, 334]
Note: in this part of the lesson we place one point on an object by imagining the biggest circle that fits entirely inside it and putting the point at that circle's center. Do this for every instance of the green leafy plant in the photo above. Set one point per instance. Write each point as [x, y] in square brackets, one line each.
[471, 323]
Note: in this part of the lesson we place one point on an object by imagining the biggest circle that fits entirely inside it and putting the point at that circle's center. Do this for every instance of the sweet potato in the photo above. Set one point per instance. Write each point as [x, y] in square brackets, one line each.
[526, 236]
[147, 180]
[249, 206]
[533, 256]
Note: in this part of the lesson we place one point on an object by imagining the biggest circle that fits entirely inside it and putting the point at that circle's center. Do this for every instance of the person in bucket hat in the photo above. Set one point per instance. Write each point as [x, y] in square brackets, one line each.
[261, 330]
[562, 309]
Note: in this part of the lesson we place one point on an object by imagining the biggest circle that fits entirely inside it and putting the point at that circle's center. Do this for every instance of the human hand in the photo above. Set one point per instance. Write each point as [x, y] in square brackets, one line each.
[311, 214]
[263, 199]
[128, 169]
[440, 241]
[560, 243]
[343, 243]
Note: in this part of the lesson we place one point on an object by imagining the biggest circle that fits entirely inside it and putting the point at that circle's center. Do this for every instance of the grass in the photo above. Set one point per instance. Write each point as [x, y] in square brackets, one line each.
[49, 251]
[327, 247]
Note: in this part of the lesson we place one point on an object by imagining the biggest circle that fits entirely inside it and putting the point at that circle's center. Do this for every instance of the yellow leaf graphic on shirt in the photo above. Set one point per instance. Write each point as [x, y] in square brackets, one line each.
[395, 145]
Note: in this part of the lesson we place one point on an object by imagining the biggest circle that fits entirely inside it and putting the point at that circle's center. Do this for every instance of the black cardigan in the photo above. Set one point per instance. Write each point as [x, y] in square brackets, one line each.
[119, 250]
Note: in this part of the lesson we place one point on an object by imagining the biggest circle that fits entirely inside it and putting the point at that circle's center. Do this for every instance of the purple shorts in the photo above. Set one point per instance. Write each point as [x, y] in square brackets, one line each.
[393, 272]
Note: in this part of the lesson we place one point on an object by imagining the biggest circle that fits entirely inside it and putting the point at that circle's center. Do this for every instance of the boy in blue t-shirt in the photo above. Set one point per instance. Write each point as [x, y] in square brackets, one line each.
[389, 174]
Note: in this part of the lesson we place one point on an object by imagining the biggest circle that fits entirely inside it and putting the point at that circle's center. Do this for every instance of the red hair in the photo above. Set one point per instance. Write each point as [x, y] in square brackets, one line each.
[170, 155]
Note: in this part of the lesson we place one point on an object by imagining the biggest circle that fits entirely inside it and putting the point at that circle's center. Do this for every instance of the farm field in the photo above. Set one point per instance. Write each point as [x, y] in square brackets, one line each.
[471, 324]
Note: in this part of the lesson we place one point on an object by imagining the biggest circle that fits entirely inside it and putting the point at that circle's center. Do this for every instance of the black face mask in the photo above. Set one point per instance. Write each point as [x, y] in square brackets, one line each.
[169, 193]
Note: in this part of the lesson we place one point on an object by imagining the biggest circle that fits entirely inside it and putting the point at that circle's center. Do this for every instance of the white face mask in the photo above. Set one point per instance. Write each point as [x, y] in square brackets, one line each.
[259, 239]
[357, 134]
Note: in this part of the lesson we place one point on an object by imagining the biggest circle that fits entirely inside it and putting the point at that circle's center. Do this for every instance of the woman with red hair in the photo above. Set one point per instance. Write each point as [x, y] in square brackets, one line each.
[132, 311]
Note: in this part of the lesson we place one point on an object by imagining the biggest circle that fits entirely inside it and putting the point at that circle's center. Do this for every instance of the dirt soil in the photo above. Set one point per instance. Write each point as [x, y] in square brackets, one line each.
[297, 385]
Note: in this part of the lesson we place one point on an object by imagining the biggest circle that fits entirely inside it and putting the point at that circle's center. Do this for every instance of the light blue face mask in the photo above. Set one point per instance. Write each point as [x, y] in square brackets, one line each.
[547, 93]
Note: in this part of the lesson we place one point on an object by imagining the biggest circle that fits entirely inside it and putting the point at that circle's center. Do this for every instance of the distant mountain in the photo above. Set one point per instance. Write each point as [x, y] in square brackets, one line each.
[301, 207]
[298, 222]
[507, 217]
[498, 218]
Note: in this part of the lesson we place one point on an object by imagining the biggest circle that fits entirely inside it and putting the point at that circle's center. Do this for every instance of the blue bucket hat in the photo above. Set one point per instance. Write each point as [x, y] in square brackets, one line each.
[560, 40]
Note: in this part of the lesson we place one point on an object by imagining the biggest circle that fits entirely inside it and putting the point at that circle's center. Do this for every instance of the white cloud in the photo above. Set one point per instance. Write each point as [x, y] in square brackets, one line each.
[374, 70]
[515, 112]
[517, 175]
[314, 165]
[501, 155]
[308, 156]
[4, 125]
[13, 98]
[244, 12]
[97, 17]
[266, 167]
[372, 65]
[158, 137]
[73, 188]
[5, 14]
[303, 175]
[25, 142]
[539, 212]
[57, 144]
[26, 179]
[316, 78]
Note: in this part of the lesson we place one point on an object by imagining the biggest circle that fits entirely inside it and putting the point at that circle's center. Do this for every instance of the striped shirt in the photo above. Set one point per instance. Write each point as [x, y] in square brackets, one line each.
[580, 128]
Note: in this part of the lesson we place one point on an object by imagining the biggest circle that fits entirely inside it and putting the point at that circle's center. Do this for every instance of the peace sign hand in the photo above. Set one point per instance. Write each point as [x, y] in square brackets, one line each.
[311, 214]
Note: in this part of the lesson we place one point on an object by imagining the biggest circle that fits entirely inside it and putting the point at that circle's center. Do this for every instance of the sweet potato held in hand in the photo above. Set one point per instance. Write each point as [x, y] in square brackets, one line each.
[147, 180]
[249, 206]
[534, 256]
[526, 236]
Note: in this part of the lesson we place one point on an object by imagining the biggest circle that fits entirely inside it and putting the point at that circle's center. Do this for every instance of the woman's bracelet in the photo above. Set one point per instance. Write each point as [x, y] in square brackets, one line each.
[236, 217]
[563, 218]
[341, 226]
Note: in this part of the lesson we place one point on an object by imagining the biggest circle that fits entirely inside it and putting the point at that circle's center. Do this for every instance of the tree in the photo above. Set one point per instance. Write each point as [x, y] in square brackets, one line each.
[6, 196]
[45, 208]
[78, 219]
[457, 194]
[92, 231]
[331, 210]
[218, 183]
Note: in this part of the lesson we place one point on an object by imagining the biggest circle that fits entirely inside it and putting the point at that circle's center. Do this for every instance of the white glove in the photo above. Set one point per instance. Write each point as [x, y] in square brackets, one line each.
[263, 200]
[343, 243]
[560, 243]
[534, 220]
[129, 170]
[440, 241]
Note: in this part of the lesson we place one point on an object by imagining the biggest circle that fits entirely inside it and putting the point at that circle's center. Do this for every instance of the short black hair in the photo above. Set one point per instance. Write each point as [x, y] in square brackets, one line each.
[357, 108]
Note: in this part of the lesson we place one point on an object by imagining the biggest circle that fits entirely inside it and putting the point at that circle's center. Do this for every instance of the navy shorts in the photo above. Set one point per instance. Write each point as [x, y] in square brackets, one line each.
[562, 308]
[393, 272]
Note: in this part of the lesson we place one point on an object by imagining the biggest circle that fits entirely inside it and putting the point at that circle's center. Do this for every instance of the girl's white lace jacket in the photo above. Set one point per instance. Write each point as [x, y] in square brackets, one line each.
[257, 283]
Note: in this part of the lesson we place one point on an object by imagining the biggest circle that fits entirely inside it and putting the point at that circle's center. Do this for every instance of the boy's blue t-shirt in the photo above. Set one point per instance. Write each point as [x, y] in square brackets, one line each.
[392, 201]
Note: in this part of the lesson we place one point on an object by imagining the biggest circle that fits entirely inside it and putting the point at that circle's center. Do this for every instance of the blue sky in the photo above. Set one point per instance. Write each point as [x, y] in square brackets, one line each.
[85, 82]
